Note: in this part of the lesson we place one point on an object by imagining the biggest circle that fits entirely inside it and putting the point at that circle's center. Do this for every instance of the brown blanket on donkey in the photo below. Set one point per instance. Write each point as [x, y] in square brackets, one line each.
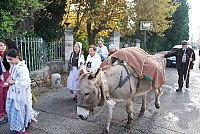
[142, 62]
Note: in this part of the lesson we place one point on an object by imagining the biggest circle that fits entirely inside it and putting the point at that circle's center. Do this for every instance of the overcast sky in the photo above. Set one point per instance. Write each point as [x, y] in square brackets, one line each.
[194, 23]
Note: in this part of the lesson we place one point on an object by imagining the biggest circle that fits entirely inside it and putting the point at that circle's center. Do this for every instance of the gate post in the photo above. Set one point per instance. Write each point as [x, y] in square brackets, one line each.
[137, 43]
[115, 39]
[67, 46]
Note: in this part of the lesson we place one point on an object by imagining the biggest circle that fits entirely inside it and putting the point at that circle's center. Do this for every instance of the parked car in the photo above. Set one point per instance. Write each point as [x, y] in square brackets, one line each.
[171, 61]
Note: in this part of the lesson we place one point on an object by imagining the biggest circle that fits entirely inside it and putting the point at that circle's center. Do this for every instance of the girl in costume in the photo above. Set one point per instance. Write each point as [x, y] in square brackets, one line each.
[3, 84]
[19, 99]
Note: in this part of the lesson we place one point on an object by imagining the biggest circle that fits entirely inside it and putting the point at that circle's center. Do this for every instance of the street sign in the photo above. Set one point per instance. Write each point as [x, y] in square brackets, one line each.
[146, 25]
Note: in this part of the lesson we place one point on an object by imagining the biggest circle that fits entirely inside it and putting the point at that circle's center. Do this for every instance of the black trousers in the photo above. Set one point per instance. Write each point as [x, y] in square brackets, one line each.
[182, 72]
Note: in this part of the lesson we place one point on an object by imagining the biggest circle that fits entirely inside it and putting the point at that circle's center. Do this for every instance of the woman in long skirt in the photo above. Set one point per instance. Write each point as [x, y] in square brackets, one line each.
[76, 59]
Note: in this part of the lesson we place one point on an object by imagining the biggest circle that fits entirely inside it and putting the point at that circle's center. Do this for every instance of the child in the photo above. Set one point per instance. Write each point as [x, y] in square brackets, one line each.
[19, 99]
[3, 84]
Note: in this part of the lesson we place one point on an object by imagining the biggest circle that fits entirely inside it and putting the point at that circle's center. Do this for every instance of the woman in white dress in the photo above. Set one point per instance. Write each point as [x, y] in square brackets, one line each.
[19, 99]
[76, 59]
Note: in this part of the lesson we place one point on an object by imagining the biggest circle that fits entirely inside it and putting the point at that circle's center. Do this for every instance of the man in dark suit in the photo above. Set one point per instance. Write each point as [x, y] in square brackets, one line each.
[184, 62]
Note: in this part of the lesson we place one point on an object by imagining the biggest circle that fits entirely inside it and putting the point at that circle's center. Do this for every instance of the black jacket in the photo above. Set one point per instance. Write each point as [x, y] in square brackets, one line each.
[179, 54]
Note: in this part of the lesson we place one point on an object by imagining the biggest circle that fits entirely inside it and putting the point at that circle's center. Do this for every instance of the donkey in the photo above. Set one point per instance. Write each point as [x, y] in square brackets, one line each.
[95, 89]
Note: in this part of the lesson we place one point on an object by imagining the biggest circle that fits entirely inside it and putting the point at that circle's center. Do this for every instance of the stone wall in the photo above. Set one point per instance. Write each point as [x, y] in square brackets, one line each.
[41, 79]
[55, 67]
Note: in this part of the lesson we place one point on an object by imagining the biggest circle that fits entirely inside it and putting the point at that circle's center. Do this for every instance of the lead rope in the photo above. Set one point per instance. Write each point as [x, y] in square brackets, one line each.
[98, 113]
[105, 89]
[141, 73]
[95, 115]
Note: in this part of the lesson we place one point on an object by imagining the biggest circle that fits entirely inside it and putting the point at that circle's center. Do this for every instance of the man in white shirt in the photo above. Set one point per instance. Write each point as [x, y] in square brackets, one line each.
[102, 50]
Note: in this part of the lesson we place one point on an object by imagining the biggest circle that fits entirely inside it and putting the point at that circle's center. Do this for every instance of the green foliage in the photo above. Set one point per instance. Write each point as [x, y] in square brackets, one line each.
[155, 11]
[154, 44]
[17, 16]
[180, 29]
[6, 23]
[177, 31]
[83, 39]
[27, 33]
[47, 26]
[46, 29]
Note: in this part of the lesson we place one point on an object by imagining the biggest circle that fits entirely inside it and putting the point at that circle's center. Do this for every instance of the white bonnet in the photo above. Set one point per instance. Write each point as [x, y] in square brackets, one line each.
[80, 45]
[112, 46]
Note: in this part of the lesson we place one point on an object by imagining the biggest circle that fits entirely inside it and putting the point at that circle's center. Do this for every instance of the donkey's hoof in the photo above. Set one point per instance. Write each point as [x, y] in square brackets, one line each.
[141, 114]
[105, 131]
[128, 126]
[157, 106]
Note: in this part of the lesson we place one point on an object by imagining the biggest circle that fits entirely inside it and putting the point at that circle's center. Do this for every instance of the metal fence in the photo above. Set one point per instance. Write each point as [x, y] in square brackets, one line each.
[55, 50]
[36, 52]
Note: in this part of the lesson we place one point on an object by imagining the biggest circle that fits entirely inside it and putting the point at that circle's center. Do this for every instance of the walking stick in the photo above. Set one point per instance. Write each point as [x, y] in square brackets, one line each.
[188, 69]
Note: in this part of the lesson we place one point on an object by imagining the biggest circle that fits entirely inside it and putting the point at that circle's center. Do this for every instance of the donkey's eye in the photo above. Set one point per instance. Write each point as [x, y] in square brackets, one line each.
[87, 94]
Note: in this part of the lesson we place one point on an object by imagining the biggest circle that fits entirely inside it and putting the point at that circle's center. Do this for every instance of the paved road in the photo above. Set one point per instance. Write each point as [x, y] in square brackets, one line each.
[179, 113]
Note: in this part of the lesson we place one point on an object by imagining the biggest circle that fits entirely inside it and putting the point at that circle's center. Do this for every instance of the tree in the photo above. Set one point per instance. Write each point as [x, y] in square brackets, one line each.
[155, 11]
[103, 16]
[180, 28]
[17, 16]
[99, 17]
[48, 25]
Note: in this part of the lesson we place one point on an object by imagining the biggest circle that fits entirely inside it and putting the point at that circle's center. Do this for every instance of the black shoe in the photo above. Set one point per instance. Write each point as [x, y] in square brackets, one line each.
[179, 90]
[187, 85]
[3, 121]
[75, 98]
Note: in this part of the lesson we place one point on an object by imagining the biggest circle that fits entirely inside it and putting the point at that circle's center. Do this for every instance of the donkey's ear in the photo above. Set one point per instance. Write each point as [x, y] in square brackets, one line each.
[94, 74]
[98, 71]
[81, 73]
[91, 76]
[81, 78]
[82, 70]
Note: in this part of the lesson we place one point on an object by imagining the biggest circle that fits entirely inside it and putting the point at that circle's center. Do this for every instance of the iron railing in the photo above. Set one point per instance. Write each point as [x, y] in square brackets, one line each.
[36, 52]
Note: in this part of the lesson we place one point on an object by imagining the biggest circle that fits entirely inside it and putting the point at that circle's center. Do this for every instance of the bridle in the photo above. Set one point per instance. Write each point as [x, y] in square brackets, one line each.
[92, 106]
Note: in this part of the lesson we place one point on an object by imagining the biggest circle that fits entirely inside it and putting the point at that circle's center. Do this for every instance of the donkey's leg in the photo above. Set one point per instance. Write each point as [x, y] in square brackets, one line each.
[129, 110]
[144, 104]
[109, 108]
[157, 97]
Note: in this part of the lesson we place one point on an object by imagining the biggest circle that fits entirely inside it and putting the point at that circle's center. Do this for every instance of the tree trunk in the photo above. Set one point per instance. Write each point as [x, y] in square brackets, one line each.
[8, 35]
[91, 34]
